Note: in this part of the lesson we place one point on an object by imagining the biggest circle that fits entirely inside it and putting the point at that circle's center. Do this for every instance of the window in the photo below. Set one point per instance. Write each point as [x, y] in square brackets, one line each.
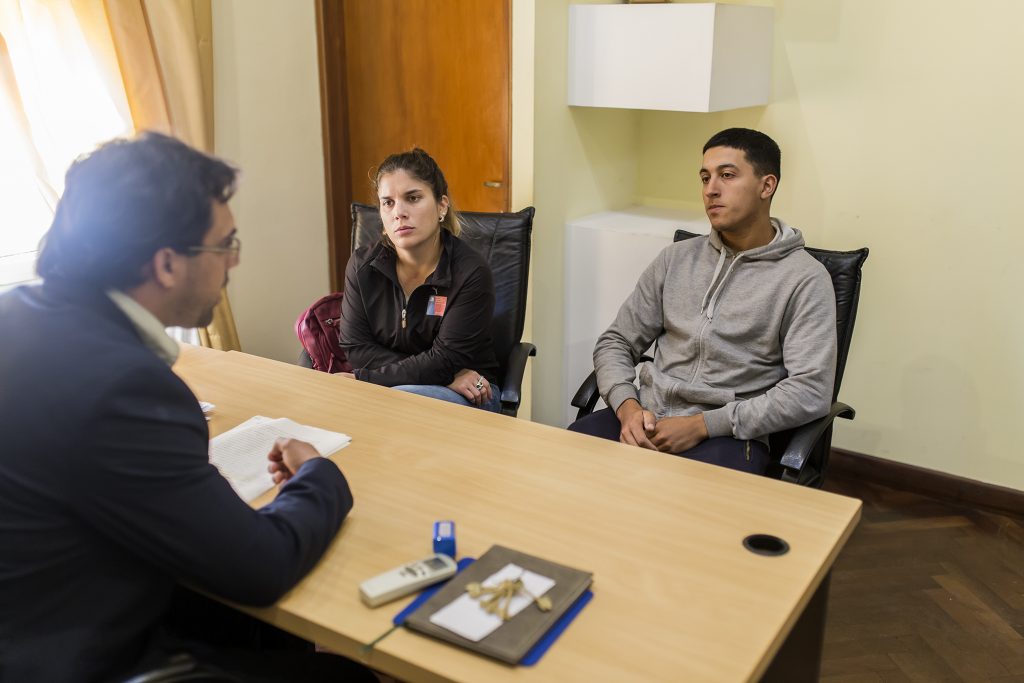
[60, 95]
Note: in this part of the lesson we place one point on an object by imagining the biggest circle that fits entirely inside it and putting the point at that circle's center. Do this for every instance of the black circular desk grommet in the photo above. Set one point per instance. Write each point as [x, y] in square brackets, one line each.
[765, 544]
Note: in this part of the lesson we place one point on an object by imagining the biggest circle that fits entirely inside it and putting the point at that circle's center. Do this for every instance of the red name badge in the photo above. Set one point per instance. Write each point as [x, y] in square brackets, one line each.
[436, 305]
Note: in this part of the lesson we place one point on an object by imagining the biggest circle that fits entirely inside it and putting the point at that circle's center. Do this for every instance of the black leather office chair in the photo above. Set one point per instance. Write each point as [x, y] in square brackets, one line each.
[504, 240]
[799, 455]
[183, 668]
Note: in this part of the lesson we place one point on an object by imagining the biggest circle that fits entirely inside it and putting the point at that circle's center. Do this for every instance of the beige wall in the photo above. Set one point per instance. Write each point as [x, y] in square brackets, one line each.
[584, 162]
[523, 49]
[267, 121]
[900, 132]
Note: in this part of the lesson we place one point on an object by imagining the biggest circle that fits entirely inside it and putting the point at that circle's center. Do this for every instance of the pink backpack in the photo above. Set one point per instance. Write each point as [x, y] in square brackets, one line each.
[317, 329]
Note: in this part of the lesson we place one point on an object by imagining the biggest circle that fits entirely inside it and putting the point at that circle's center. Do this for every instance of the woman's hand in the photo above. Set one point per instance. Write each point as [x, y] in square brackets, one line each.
[472, 385]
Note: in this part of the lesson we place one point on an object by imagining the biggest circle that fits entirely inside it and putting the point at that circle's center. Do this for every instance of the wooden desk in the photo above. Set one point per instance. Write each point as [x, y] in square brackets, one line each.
[676, 596]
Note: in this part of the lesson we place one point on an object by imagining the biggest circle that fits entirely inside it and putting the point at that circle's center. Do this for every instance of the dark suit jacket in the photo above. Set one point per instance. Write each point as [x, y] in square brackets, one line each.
[107, 497]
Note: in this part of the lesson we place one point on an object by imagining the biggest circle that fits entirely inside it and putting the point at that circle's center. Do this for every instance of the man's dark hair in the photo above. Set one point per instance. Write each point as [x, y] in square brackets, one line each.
[761, 151]
[124, 202]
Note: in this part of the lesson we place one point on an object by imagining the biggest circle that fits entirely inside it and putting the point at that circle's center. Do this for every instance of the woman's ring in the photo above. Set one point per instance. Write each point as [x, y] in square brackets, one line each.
[479, 382]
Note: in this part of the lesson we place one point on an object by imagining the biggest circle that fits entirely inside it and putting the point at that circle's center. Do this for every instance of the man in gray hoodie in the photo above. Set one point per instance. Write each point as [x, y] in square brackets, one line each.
[743, 322]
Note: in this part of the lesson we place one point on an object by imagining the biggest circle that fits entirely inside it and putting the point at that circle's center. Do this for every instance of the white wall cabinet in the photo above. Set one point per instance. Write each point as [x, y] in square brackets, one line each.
[605, 254]
[699, 57]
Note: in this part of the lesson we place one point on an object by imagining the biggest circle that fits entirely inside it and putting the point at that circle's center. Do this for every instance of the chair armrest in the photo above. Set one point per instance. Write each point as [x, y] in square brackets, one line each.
[304, 361]
[805, 437]
[179, 668]
[586, 396]
[511, 392]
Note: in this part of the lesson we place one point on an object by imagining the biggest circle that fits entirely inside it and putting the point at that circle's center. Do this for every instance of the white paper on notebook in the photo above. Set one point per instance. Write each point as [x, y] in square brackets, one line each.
[465, 617]
[241, 453]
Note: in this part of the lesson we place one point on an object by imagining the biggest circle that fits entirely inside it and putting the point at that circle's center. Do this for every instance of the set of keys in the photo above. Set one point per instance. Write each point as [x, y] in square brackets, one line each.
[496, 599]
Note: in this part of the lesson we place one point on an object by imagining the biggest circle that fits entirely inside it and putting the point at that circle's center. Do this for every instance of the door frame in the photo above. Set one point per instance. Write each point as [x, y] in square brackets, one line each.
[330, 40]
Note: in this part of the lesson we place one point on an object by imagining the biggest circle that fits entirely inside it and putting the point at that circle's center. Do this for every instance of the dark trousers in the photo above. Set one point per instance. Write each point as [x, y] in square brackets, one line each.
[227, 645]
[724, 451]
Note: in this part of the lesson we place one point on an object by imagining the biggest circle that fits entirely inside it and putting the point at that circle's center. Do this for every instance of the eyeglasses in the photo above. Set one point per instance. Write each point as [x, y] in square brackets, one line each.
[233, 247]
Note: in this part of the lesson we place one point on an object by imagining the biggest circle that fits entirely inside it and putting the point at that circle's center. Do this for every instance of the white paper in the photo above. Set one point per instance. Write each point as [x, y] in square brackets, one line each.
[241, 453]
[465, 617]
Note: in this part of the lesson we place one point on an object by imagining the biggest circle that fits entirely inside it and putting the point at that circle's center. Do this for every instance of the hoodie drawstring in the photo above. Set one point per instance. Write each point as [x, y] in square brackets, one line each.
[713, 295]
[718, 269]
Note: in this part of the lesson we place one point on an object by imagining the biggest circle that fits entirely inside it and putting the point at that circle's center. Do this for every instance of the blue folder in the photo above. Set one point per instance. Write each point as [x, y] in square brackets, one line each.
[538, 650]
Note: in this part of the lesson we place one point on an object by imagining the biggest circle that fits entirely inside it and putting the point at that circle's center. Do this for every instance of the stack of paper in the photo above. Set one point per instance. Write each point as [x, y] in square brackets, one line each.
[241, 453]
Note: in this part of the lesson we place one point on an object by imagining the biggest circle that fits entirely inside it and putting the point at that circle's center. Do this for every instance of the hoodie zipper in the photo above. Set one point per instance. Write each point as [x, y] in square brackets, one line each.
[708, 308]
[700, 348]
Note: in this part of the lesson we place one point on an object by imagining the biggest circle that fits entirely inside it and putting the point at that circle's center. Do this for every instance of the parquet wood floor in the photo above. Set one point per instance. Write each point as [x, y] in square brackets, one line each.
[925, 591]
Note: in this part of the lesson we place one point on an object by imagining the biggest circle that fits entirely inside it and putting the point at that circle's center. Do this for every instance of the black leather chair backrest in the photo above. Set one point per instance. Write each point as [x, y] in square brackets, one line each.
[504, 240]
[845, 269]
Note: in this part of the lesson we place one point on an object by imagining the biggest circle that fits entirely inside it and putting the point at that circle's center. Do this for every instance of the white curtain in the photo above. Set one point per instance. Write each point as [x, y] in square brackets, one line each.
[74, 73]
[60, 95]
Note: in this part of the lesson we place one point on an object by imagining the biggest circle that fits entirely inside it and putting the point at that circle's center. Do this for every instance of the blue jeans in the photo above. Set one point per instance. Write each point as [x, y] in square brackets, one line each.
[452, 396]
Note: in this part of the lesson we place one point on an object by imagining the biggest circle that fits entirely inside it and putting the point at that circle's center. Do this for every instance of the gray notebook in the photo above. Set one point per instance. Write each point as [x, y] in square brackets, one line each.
[513, 639]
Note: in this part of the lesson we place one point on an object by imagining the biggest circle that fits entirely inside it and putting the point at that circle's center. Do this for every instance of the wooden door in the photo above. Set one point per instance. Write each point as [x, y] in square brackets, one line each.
[434, 74]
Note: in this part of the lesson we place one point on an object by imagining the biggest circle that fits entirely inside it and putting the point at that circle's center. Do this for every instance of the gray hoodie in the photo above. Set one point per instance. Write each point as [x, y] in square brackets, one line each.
[748, 339]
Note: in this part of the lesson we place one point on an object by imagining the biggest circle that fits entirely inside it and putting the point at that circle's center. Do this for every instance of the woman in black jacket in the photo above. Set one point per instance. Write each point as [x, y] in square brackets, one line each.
[418, 304]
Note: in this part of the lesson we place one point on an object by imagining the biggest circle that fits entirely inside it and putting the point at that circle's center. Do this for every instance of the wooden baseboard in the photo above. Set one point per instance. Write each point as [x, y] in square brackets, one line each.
[844, 464]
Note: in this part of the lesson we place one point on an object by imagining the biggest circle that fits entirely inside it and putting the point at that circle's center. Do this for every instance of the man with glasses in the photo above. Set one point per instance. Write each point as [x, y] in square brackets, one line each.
[108, 501]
